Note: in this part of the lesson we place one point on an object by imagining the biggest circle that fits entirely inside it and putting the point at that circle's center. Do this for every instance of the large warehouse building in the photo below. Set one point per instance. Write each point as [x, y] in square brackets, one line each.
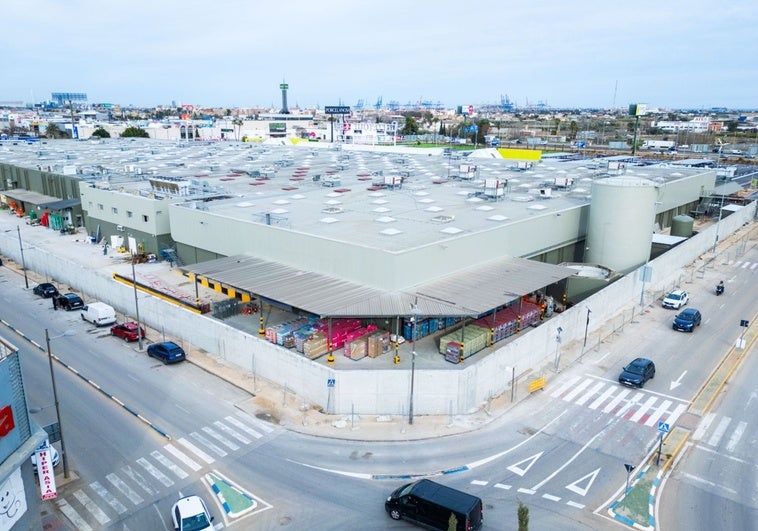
[382, 235]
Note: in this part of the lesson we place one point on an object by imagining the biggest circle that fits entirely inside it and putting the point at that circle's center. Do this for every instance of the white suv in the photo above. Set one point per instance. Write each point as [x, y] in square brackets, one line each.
[676, 299]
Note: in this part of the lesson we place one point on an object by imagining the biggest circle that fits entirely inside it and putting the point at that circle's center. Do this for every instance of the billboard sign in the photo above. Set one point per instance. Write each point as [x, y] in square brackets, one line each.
[337, 109]
[45, 472]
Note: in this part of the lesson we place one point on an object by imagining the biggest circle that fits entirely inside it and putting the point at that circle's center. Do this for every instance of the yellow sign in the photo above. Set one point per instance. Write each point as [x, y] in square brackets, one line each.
[536, 385]
[520, 154]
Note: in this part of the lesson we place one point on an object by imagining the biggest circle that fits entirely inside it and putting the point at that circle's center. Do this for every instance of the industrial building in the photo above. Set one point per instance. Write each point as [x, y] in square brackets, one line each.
[420, 242]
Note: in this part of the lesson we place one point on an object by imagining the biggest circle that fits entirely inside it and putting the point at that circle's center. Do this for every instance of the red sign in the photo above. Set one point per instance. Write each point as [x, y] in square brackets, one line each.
[46, 474]
[6, 421]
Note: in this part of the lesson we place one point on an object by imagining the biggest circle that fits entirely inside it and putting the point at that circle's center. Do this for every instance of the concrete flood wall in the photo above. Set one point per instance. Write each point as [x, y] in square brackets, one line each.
[457, 390]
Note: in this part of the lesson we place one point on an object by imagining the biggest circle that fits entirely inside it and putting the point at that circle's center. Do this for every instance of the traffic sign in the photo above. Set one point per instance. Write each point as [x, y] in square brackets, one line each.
[330, 382]
[663, 427]
[744, 322]
[336, 109]
[629, 468]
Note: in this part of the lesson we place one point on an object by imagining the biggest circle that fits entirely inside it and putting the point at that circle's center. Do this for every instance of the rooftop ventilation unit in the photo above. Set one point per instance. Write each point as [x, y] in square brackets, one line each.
[443, 219]
[333, 210]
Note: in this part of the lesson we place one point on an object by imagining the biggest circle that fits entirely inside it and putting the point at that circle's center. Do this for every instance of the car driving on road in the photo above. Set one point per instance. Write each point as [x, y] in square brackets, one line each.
[191, 514]
[639, 371]
[687, 320]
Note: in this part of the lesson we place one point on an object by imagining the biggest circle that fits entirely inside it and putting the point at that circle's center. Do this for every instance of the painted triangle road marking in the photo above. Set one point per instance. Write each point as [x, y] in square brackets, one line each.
[516, 469]
[590, 478]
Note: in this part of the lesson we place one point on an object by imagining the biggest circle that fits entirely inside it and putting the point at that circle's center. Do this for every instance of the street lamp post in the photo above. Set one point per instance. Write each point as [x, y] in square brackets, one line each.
[586, 326]
[136, 305]
[23, 262]
[413, 367]
[55, 398]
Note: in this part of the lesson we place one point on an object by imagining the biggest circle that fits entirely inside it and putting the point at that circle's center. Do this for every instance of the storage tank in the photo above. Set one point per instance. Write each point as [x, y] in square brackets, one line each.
[620, 228]
[682, 226]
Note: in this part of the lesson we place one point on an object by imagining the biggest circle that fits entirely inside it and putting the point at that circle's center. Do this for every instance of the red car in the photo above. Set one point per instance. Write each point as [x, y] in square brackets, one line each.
[127, 331]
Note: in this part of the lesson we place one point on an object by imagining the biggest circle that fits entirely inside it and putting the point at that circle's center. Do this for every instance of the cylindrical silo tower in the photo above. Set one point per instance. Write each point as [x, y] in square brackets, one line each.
[620, 228]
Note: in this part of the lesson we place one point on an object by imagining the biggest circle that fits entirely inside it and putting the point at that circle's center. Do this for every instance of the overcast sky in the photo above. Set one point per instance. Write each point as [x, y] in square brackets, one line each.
[235, 53]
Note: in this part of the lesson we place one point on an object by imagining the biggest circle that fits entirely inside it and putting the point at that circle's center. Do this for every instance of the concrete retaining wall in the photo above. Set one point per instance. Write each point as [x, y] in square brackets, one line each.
[457, 390]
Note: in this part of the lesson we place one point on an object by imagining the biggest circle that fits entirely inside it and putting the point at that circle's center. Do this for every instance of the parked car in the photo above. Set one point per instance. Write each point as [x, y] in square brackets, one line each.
[55, 457]
[639, 371]
[70, 301]
[676, 299]
[127, 331]
[687, 320]
[46, 289]
[98, 313]
[191, 514]
[167, 352]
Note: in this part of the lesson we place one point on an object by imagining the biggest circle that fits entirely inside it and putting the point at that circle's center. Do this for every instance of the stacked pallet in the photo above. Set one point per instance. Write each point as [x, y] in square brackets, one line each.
[378, 343]
[474, 339]
[317, 345]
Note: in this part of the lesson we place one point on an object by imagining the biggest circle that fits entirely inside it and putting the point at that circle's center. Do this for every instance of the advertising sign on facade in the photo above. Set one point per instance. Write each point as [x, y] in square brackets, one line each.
[46, 473]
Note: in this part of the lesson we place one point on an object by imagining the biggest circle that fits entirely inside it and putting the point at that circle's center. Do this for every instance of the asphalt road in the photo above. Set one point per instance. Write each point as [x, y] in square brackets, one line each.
[561, 451]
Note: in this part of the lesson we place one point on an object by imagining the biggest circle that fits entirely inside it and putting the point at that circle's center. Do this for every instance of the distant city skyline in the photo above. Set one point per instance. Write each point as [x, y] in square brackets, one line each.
[675, 54]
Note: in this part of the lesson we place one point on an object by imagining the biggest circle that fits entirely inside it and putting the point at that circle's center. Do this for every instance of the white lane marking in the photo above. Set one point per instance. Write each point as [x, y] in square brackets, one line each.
[92, 507]
[168, 463]
[697, 479]
[79, 523]
[138, 479]
[551, 497]
[209, 444]
[558, 392]
[479, 482]
[181, 456]
[526, 491]
[648, 391]
[719, 431]
[658, 413]
[618, 398]
[577, 454]
[259, 424]
[108, 497]
[501, 486]
[574, 504]
[243, 427]
[223, 440]
[157, 474]
[703, 427]
[736, 436]
[730, 457]
[602, 398]
[601, 358]
[197, 451]
[678, 410]
[125, 489]
[578, 389]
[643, 409]
[589, 394]
[229, 431]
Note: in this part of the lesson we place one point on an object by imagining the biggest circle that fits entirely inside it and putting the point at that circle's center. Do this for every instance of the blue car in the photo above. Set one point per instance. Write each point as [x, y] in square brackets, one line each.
[637, 373]
[167, 352]
[687, 320]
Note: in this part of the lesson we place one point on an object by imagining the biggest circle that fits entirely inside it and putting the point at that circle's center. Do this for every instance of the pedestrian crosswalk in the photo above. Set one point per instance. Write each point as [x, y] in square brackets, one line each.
[742, 265]
[723, 433]
[642, 407]
[99, 503]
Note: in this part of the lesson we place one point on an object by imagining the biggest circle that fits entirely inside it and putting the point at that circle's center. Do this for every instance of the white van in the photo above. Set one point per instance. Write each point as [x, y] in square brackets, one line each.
[98, 313]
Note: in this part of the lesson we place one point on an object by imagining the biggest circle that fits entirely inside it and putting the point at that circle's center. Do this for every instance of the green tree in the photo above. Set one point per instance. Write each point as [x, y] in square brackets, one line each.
[410, 127]
[523, 517]
[53, 131]
[573, 129]
[101, 133]
[237, 123]
[133, 131]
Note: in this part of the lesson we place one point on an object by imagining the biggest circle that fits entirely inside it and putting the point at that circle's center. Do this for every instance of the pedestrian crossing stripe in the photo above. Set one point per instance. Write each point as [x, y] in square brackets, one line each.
[197, 451]
[181, 456]
[125, 489]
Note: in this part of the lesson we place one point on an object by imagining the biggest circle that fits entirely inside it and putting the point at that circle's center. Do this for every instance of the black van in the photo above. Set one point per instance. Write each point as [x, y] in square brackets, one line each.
[433, 506]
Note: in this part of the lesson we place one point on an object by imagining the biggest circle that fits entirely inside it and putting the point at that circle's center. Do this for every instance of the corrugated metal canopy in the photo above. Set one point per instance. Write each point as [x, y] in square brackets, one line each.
[35, 198]
[470, 292]
[60, 204]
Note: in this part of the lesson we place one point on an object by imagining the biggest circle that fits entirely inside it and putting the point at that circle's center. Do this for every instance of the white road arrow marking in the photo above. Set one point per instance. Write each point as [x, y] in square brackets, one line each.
[676, 383]
[590, 478]
[516, 469]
